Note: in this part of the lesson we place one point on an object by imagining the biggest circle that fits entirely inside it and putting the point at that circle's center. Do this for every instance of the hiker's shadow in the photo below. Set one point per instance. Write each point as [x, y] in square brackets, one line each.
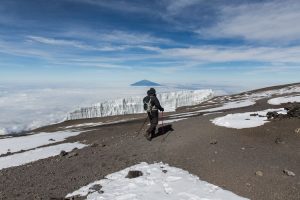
[163, 130]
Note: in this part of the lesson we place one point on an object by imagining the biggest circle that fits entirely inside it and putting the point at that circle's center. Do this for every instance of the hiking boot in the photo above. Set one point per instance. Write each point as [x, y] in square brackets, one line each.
[148, 136]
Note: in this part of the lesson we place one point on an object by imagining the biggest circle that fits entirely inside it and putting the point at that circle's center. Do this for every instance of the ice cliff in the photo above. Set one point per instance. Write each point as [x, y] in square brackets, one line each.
[130, 105]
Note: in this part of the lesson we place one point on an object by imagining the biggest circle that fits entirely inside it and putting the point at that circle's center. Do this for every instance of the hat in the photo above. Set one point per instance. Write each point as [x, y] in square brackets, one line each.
[151, 91]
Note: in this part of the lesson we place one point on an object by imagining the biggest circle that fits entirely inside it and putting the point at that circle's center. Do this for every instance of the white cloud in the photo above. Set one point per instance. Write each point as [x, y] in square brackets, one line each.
[124, 6]
[231, 54]
[73, 43]
[276, 21]
[129, 38]
[17, 49]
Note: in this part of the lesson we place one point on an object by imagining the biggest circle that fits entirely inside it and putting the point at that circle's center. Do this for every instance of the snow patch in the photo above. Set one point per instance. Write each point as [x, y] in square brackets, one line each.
[212, 113]
[171, 120]
[171, 184]
[225, 106]
[286, 99]
[92, 124]
[15, 144]
[37, 154]
[184, 115]
[231, 105]
[244, 120]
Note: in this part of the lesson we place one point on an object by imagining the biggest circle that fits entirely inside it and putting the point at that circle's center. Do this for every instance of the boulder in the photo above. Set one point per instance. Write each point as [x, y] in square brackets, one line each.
[293, 110]
[63, 153]
[134, 174]
[272, 115]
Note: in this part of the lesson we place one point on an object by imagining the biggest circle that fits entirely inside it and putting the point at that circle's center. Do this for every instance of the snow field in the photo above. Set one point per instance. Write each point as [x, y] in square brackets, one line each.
[159, 181]
[225, 106]
[37, 154]
[286, 99]
[244, 120]
[15, 144]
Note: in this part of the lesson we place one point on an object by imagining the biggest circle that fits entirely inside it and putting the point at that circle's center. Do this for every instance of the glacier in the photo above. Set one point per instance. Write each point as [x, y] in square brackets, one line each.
[131, 105]
[24, 108]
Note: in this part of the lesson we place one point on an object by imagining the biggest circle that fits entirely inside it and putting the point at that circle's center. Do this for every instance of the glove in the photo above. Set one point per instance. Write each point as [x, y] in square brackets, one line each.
[162, 109]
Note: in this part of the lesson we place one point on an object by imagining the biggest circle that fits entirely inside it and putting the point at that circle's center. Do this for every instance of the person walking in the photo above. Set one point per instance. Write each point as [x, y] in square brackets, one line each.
[152, 105]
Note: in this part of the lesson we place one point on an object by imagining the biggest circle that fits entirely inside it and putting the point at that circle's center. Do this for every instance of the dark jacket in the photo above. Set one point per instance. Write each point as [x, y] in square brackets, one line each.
[154, 102]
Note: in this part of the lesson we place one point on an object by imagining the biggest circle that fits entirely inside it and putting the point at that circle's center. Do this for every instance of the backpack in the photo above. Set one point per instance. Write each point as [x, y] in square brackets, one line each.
[147, 104]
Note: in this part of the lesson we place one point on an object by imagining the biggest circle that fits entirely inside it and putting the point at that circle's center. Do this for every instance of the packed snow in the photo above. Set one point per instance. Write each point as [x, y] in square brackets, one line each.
[168, 121]
[37, 154]
[270, 93]
[286, 99]
[212, 113]
[244, 120]
[184, 115]
[130, 105]
[15, 144]
[24, 108]
[231, 105]
[158, 181]
[225, 106]
[92, 124]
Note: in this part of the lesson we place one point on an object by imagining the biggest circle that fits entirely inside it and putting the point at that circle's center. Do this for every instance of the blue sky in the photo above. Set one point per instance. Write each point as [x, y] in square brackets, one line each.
[235, 42]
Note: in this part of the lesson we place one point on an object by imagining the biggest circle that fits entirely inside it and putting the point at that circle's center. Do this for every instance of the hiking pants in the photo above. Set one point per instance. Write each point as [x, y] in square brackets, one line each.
[153, 117]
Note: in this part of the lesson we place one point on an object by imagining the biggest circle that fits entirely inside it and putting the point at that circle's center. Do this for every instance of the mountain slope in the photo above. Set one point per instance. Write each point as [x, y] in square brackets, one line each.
[145, 83]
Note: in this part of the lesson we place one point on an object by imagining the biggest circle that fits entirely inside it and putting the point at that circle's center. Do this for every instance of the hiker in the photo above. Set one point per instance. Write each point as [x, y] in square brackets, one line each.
[152, 105]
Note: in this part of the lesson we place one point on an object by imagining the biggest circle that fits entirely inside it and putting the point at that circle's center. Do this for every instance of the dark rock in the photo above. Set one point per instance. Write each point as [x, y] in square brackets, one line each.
[63, 153]
[247, 119]
[293, 110]
[272, 115]
[96, 187]
[51, 139]
[213, 142]
[164, 171]
[94, 145]
[70, 155]
[134, 174]
[254, 114]
[261, 116]
[279, 141]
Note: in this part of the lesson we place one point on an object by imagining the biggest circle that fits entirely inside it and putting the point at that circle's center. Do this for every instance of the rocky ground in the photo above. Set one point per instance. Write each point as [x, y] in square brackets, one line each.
[259, 163]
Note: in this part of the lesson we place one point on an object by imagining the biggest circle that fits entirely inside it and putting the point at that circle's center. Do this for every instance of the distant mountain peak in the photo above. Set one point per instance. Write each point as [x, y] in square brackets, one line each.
[145, 83]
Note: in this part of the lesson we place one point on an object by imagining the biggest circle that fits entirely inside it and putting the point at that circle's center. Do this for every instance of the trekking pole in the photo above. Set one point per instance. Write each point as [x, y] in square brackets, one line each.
[162, 119]
[139, 131]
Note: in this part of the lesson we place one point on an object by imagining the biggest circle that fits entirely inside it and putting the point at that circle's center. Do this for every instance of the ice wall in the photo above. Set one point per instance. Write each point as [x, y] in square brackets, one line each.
[130, 105]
